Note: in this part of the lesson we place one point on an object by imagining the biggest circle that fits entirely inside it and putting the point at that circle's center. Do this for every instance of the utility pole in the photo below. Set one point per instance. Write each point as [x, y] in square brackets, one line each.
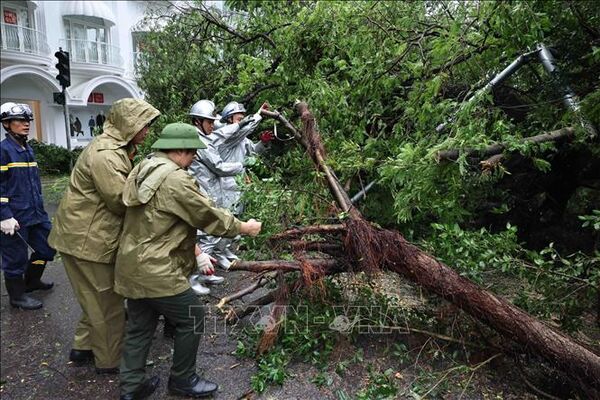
[64, 77]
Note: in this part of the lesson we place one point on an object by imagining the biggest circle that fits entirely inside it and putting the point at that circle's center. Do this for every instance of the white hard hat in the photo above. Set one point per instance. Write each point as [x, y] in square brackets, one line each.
[12, 110]
[204, 109]
[232, 108]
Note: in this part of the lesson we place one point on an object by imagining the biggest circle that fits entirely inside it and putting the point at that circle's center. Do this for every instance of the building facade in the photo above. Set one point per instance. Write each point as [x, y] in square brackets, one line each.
[102, 38]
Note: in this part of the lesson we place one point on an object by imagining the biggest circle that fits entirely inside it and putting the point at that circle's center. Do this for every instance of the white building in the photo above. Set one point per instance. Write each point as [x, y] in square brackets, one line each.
[102, 41]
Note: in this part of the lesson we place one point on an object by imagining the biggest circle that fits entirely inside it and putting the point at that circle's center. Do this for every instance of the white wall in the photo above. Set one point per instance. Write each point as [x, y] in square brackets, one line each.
[49, 20]
[55, 29]
[22, 88]
[127, 15]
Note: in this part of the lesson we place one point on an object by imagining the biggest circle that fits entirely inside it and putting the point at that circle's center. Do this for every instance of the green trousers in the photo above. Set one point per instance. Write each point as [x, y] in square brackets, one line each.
[185, 312]
[102, 322]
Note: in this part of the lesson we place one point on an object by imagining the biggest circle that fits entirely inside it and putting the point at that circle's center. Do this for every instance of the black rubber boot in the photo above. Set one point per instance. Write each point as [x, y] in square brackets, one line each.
[17, 296]
[107, 371]
[33, 277]
[147, 388]
[81, 357]
[194, 386]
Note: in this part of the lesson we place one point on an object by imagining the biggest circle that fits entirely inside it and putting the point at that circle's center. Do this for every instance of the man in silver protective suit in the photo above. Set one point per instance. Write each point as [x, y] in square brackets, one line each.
[233, 145]
[208, 170]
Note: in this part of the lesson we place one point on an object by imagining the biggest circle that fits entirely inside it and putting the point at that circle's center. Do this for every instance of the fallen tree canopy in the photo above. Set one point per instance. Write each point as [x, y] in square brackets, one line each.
[380, 77]
[361, 246]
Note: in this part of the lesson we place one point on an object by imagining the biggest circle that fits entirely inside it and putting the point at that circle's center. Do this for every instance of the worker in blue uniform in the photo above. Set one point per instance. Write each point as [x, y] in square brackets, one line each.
[23, 221]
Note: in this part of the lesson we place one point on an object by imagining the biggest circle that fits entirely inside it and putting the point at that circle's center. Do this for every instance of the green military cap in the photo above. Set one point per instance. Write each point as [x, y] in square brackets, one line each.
[179, 136]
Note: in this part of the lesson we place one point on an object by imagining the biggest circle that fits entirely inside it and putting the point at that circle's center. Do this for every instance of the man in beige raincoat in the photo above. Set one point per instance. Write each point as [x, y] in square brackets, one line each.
[156, 257]
[86, 231]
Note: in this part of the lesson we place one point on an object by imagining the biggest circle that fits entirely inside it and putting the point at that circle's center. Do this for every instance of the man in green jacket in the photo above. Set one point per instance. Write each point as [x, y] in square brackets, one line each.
[156, 257]
[86, 231]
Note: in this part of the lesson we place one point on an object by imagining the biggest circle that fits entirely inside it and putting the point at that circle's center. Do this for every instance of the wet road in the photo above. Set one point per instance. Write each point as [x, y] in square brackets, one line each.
[35, 346]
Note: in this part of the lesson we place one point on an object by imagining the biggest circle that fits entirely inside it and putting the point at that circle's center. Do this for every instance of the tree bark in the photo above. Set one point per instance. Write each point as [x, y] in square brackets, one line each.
[509, 320]
[332, 249]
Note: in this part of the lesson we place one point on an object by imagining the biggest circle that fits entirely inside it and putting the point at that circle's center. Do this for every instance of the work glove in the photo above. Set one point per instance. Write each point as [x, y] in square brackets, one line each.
[9, 226]
[204, 264]
[266, 136]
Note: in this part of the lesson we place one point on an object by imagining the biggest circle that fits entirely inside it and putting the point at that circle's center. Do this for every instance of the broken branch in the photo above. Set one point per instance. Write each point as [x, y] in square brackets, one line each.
[553, 136]
[309, 230]
[260, 282]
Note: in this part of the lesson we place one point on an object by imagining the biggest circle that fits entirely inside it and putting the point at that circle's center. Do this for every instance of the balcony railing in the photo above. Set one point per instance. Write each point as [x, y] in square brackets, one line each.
[90, 52]
[25, 40]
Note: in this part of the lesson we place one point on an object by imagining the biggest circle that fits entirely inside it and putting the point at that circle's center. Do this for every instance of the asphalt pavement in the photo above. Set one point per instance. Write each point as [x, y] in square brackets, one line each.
[35, 346]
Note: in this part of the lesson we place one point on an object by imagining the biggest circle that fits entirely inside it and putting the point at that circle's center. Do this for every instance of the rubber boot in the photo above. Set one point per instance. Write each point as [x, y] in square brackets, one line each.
[33, 277]
[231, 256]
[194, 386]
[197, 287]
[222, 261]
[17, 296]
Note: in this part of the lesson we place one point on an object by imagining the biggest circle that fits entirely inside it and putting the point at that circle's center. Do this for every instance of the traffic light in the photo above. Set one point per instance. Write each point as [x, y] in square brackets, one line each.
[63, 67]
[59, 98]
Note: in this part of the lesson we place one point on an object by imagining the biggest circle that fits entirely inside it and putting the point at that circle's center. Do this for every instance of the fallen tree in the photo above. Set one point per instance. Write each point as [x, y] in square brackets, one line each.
[495, 149]
[364, 247]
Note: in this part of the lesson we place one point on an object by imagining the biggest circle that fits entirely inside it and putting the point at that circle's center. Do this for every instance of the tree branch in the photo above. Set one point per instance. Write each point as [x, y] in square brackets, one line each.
[277, 116]
[452, 155]
[257, 89]
[309, 230]
[259, 282]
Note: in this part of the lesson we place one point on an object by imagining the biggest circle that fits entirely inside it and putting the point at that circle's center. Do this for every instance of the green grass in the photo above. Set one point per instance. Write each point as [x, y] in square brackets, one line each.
[53, 187]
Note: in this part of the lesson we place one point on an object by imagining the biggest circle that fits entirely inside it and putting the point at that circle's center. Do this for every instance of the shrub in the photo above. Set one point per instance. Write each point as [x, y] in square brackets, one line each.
[53, 159]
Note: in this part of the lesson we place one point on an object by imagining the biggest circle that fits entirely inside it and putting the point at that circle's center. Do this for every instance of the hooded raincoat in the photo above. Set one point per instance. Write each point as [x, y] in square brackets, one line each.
[89, 218]
[164, 209]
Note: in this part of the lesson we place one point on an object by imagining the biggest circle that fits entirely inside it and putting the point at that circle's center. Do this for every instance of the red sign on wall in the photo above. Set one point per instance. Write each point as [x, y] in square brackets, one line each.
[96, 97]
[10, 17]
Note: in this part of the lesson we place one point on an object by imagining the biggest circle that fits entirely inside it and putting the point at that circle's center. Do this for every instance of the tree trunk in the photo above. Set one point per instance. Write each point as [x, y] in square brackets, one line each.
[509, 320]
[388, 249]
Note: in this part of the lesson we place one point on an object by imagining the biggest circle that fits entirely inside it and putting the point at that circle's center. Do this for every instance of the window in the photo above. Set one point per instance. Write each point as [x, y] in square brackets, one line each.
[87, 42]
[15, 14]
[16, 24]
[137, 40]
